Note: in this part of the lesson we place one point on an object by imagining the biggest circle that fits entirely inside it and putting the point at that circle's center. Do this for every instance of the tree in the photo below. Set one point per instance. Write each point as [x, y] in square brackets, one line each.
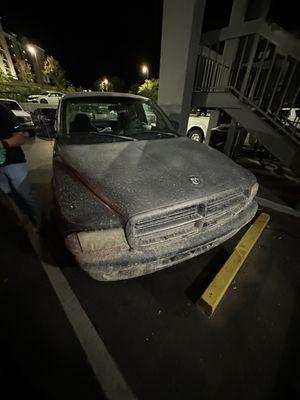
[53, 73]
[101, 86]
[70, 88]
[134, 89]
[115, 84]
[24, 71]
[149, 89]
[3, 76]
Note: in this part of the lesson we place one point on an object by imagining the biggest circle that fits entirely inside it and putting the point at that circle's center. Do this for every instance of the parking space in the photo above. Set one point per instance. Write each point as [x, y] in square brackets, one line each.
[160, 342]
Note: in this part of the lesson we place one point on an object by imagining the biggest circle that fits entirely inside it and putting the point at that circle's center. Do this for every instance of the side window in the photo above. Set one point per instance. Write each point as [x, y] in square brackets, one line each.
[150, 116]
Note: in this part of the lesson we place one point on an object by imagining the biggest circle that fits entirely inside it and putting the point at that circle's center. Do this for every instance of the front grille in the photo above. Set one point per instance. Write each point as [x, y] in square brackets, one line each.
[187, 221]
[222, 209]
[169, 225]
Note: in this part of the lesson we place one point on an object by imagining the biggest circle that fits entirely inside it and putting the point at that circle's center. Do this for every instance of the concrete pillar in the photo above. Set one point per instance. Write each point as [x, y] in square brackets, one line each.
[241, 137]
[181, 31]
[258, 9]
[231, 138]
[238, 12]
[213, 122]
[243, 10]
[237, 16]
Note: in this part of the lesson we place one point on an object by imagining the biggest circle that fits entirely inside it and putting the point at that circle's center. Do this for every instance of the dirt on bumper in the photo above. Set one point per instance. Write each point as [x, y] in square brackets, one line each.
[118, 261]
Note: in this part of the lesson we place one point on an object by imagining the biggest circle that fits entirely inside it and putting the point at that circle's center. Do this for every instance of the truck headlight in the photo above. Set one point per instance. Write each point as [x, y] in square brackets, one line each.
[104, 241]
[253, 192]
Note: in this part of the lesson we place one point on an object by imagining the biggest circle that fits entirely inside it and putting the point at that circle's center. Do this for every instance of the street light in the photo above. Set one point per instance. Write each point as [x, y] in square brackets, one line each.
[145, 70]
[31, 49]
[105, 84]
[35, 62]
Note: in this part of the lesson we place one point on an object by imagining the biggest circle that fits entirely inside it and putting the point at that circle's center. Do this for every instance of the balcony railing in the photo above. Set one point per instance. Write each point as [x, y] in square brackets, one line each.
[259, 73]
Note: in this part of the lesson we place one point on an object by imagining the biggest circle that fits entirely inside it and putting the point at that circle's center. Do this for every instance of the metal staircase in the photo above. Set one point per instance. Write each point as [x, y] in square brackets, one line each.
[255, 78]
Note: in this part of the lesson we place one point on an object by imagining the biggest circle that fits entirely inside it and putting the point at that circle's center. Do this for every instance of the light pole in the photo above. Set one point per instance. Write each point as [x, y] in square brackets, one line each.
[145, 70]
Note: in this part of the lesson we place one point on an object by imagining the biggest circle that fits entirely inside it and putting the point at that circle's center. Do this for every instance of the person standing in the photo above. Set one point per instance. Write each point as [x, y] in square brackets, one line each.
[13, 167]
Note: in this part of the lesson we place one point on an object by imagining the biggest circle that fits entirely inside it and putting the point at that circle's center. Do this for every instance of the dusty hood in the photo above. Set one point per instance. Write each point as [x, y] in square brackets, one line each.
[140, 176]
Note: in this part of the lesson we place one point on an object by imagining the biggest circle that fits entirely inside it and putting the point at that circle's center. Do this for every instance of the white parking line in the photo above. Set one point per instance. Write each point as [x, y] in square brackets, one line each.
[105, 369]
[277, 207]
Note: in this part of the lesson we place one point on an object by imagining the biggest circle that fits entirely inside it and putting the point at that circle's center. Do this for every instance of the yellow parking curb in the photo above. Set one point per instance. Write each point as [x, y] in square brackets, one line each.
[212, 296]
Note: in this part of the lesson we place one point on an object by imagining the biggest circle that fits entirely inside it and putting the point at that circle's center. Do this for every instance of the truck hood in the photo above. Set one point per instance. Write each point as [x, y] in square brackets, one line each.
[142, 176]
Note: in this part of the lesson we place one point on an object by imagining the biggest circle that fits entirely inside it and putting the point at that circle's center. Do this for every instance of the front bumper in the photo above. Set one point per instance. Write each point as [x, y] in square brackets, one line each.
[121, 262]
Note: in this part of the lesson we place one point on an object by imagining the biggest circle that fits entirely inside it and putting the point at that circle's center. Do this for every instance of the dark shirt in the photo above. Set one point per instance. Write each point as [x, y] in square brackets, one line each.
[8, 125]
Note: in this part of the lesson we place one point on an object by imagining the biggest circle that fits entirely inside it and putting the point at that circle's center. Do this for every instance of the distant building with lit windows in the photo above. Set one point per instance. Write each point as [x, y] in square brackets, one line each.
[15, 53]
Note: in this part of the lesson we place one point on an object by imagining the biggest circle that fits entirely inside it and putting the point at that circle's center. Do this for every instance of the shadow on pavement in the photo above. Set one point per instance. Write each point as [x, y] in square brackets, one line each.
[41, 358]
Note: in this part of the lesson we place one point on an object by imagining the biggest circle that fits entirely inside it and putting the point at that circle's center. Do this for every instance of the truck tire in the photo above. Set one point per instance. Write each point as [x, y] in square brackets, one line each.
[196, 134]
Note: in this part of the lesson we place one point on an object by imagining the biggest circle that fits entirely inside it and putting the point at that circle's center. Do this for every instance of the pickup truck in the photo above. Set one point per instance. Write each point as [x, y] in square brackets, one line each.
[132, 196]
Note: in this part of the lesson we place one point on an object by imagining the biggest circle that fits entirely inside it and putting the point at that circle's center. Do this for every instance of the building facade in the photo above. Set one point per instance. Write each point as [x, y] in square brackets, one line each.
[18, 57]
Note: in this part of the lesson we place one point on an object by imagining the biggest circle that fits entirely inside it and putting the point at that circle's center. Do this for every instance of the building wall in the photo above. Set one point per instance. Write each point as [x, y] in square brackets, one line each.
[6, 63]
[13, 49]
[181, 30]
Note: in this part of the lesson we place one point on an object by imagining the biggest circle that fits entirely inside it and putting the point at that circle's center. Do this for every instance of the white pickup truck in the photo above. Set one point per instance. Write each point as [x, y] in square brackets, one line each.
[197, 127]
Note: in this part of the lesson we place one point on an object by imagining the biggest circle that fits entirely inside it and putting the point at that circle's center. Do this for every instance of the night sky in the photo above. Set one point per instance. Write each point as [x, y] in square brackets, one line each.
[95, 40]
[108, 38]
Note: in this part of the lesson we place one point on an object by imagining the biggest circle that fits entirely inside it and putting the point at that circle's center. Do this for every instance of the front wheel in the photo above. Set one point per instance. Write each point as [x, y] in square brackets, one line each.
[44, 101]
[196, 134]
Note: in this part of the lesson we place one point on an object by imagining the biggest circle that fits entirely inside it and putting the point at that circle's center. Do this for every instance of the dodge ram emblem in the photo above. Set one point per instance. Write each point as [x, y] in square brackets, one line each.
[195, 180]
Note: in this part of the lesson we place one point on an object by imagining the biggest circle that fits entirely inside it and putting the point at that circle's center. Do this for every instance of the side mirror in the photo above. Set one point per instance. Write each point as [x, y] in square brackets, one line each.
[175, 124]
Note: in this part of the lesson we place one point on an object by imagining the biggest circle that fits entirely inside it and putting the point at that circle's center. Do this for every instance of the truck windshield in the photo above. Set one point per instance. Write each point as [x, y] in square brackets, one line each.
[113, 118]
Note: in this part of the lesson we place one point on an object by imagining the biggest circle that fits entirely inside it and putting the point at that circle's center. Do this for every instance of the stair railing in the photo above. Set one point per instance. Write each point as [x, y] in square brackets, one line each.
[260, 73]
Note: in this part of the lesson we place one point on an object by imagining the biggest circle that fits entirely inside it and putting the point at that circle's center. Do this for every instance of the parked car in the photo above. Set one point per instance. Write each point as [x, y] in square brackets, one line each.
[47, 97]
[198, 125]
[132, 196]
[290, 114]
[291, 118]
[23, 117]
[44, 120]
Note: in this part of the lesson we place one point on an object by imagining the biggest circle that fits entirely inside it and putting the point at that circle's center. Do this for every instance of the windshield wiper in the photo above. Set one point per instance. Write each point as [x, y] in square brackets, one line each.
[112, 135]
[164, 133]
